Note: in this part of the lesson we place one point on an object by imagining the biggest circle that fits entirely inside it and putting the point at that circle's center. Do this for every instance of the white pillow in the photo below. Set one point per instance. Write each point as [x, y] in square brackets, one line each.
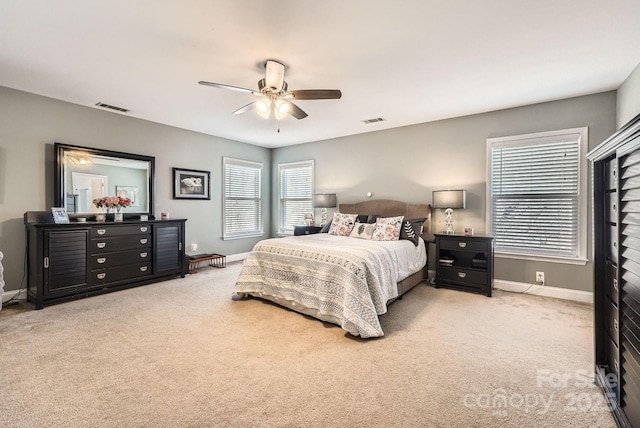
[363, 230]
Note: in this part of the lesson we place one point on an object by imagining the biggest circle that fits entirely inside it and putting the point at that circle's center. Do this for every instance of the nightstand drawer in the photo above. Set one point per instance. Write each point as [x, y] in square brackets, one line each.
[465, 276]
[464, 244]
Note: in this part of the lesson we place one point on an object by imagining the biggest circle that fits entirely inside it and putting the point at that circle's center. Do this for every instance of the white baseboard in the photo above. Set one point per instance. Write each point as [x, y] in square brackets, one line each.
[8, 295]
[542, 290]
[236, 257]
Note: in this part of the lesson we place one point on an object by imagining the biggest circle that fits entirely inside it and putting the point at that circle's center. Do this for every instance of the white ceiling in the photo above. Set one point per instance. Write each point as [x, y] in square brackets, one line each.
[408, 61]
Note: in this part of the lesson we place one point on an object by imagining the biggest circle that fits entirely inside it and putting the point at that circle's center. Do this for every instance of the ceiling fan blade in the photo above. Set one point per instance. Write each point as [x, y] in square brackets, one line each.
[315, 94]
[233, 88]
[294, 110]
[246, 108]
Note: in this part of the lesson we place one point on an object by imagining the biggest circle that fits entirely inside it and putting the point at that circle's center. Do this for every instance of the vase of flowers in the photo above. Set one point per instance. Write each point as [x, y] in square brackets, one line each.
[113, 202]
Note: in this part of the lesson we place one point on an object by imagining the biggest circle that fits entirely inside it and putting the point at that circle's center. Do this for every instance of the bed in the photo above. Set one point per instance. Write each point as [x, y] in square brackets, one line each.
[339, 279]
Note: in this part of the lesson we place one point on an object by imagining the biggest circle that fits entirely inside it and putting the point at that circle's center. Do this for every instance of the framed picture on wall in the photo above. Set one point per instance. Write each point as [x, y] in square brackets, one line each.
[191, 184]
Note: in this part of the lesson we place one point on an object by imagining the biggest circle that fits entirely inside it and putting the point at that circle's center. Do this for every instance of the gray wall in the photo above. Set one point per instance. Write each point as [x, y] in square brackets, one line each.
[409, 163]
[30, 124]
[629, 98]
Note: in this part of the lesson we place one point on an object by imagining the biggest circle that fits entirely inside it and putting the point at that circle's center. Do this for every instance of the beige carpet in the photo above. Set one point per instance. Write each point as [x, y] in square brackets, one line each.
[182, 354]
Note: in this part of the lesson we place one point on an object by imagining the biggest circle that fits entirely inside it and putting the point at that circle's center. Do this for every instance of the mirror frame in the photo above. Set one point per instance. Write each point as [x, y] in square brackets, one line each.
[60, 176]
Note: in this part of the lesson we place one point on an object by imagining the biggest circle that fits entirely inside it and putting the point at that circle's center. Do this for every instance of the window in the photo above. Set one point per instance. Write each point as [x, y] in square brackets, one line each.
[295, 193]
[242, 202]
[537, 195]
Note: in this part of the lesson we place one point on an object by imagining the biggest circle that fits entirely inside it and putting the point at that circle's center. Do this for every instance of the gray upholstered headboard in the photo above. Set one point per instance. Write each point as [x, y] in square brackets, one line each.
[389, 208]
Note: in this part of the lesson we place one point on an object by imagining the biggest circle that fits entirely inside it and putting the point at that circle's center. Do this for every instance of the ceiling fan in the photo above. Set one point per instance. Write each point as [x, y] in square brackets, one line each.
[275, 94]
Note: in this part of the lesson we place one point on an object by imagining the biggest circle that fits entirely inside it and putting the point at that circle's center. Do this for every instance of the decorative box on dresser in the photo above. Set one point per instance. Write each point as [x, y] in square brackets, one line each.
[73, 260]
[465, 263]
[616, 259]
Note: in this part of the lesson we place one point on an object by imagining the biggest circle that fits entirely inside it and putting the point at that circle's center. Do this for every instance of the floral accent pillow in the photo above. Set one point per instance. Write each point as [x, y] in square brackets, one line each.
[387, 229]
[362, 230]
[342, 224]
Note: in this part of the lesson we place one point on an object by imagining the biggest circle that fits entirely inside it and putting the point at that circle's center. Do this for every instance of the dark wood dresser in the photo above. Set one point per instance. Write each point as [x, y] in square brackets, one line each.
[465, 263]
[616, 260]
[69, 261]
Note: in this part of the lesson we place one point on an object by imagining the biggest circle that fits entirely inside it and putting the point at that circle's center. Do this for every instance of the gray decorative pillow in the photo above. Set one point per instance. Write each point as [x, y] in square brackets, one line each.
[362, 230]
[411, 229]
[326, 227]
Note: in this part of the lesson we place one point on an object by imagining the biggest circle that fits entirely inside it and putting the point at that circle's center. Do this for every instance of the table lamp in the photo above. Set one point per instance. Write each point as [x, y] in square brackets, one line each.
[324, 201]
[448, 200]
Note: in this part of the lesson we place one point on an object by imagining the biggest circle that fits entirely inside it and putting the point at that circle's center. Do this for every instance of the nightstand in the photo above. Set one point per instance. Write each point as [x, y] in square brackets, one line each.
[306, 230]
[465, 263]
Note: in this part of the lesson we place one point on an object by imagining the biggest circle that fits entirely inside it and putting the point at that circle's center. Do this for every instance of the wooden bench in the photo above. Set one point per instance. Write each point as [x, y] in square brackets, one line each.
[215, 260]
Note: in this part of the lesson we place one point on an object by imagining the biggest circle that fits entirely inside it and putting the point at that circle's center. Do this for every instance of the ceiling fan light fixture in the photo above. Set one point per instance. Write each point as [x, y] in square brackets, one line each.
[274, 75]
[262, 106]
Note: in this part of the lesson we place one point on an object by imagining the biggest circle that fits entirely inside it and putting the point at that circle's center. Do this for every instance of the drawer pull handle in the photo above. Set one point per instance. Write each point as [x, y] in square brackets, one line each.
[143, 229]
[462, 274]
[101, 275]
[615, 244]
[143, 241]
[101, 260]
[101, 231]
[462, 244]
[615, 173]
[101, 244]
[615, 365]
[143, 255]
[614, 206]
[143, 268]
[615, 325]
[615, 284]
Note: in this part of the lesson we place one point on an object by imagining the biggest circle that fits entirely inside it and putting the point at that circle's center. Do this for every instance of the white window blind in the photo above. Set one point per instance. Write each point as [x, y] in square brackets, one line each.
[242, 209]
[295, 193]
[536, 196]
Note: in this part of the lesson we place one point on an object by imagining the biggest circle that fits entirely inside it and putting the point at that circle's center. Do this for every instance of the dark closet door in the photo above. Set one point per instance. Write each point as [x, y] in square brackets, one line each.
[629, 289]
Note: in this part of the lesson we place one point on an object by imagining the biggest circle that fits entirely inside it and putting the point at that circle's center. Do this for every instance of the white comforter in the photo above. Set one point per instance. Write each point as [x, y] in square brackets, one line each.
[343, 280]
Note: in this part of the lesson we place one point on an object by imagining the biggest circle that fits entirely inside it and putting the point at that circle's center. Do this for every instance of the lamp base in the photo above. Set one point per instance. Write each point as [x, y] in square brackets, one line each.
[323, 217]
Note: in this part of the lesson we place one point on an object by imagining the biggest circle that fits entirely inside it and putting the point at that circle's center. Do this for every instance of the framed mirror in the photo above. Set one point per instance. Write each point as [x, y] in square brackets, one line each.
[84, 174]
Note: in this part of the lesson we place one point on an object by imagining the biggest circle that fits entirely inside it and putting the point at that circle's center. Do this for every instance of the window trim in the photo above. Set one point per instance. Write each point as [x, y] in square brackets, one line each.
[541, 137]
[248, 234]
[286, 165]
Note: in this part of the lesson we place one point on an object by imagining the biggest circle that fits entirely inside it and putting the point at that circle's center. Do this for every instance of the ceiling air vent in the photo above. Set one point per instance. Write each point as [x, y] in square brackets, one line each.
[374, 120]
[109, 106]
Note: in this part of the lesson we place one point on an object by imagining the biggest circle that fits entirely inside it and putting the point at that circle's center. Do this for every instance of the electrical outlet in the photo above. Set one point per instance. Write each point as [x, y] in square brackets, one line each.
[194, 248]
[540, 278]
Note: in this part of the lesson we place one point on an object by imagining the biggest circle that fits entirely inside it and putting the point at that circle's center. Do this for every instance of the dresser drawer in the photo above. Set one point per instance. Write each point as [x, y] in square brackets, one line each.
[110, 230]
[120, 273]
[611, 281]
[117, 243]
[106, 260]
[463, 276]
[464, 244]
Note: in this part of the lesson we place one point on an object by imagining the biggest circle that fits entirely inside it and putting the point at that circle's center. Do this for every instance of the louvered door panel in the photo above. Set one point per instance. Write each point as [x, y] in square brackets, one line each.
[65, 260]
[168, 248]
[629, 290]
